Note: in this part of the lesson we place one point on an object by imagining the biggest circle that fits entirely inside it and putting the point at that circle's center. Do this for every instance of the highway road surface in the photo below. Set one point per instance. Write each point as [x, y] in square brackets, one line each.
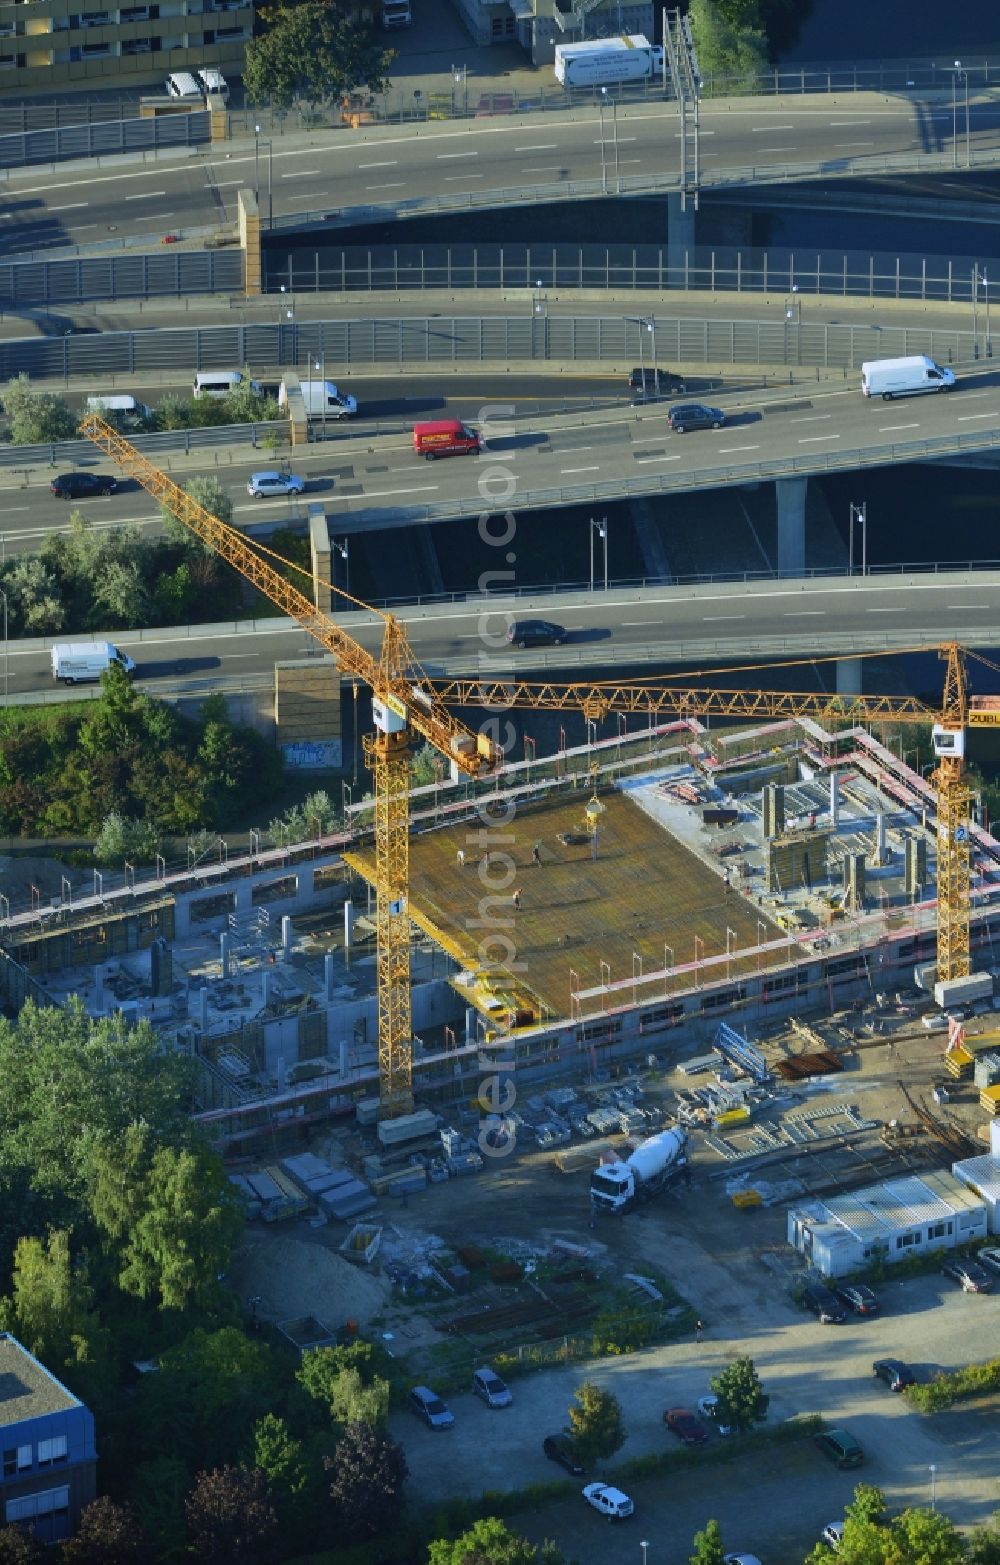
[618, 629]
[366, 484]
[384, 167]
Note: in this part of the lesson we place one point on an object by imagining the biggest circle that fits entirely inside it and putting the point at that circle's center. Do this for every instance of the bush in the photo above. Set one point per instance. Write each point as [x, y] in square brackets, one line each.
[970, 1381]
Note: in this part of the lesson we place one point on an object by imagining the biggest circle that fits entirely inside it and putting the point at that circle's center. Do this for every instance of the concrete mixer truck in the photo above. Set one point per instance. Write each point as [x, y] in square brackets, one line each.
[614, 1187]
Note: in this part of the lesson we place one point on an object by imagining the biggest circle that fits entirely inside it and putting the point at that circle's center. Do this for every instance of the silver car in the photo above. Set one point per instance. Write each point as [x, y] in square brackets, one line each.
[264, 485]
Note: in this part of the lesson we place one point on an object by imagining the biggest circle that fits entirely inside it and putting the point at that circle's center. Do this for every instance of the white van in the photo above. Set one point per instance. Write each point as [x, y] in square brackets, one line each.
[214, 82]
[219, 383]
[119, 409]
[322, 399]
[181, 84]
[888, 378]
[81, 661]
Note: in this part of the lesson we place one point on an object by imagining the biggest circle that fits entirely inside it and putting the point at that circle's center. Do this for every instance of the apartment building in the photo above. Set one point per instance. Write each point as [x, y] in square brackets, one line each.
[49, 1468]
[48, 45]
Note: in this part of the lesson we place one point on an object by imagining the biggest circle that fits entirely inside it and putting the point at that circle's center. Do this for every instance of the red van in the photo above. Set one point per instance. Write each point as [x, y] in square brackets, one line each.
[445, 437]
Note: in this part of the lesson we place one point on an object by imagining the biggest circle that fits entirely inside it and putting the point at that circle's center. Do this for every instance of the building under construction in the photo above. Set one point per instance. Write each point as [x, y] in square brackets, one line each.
[611, 902]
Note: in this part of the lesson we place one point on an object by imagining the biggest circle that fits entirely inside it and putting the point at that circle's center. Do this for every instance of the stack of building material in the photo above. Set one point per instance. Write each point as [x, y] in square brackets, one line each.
[278, 1195]
[987, 1070]
[989, 1098]
[362, 1243]
[251, 1201]
[409, 1127]
[572, 1159]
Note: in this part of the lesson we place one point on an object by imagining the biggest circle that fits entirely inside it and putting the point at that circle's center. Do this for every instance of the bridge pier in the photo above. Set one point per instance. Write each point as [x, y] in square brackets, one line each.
[849, 676]
[680, 237]
[791, 498]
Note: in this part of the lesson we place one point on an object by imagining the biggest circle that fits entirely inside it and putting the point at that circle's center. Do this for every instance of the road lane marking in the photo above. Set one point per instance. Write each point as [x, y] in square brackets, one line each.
[383, 163]
[444, 156]
[888, 429]
[641, 459]
[950, 607]
[807, 613]
[550, 168]
[728, 450]
[708, 618]
[886, 611]
[74, 204]
[967, 418]
[302, 173]
[614, 141]
[811, 418]
[849, 122]
[539, 146]
[399, 185]
[381, 494]
[777, 149]
[633, 624]
[812, 440]
[147, 195]
[565, 470]
[842, 145]
[450, 178]
[764, 130]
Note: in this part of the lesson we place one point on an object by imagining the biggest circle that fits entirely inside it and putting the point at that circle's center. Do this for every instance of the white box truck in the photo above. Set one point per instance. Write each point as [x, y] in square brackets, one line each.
[77, 662]
[888, 378]
[602, 62]
[322, 399]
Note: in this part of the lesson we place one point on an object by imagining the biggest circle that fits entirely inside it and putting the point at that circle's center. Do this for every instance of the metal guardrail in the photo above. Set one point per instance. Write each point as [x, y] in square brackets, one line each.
[627, 267]
[780, 345]
[103, 138]
[122, 275]
[64, 453]
[663, 183]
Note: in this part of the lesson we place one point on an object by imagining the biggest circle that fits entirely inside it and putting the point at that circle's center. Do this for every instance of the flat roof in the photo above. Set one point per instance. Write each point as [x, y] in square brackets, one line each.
[584, 916]
[27, 1390]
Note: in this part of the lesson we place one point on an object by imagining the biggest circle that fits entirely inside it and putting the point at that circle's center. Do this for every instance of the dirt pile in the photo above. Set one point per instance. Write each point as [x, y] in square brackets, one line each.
[294, 1277]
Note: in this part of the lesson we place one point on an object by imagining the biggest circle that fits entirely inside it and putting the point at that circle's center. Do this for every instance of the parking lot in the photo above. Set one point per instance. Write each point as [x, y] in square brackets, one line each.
[774, 1503]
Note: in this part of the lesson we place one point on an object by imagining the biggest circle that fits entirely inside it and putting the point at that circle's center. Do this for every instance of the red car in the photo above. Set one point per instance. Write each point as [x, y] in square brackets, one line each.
[685, 1426]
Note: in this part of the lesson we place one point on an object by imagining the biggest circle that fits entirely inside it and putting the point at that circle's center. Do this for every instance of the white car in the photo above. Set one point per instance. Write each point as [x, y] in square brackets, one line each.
[611, 1502]
[832, 1534]
[262, 485]
[740, 1559]
[708, 1407]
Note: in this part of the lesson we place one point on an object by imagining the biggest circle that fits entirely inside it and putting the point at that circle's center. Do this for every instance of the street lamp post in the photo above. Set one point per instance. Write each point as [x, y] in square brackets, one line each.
[257, 144]
[933, 1473]
[342, 550]
[959, 71]
[604, 162]
[793, 312]
[601, 528]
[3, 595]
[859, 513]
[320, 364]
[644, 1545]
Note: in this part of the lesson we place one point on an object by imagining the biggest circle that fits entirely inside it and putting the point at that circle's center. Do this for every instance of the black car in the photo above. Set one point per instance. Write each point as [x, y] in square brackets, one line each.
[862, 1300]
[536, 633]
[649, 385]
[80, 486]
[558, 1449]
[972, 1277]
[841, 1447]
[895, 1373]
[823, 1303]
[694, 415]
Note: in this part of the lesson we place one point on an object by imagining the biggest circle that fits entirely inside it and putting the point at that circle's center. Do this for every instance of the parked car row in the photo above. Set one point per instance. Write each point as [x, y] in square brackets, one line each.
[486, 1384]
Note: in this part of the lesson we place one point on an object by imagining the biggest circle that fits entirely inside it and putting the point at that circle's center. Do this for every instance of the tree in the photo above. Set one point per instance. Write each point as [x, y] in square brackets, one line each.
[708, 1547]
[51, 1307]
[916, 1537]
[206, 1397]
[33, 595]
[158, 1490]
[230, 1518]
[489, 1541]
[596, 1426]
[345, 1380]
[368, 1473]
[310, 54]
[926, 1537]
[316, 816]
[208, 491]
[725, 47]
[426, 766]
[741, 1398]
[36, 417]
[352, 1402]
[121, 840]
[19, 1547]
[279, 1457]
[245, 405]
[982, 1547]
[868, 1506]
[108, 1534]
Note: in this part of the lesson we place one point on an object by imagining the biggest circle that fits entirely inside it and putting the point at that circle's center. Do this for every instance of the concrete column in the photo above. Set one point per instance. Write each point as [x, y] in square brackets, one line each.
[849, 675]
[880, 842]
[203, 1008]
[286, 937]
[834, 800]
[470, 1022]
[265, 986]
[791, 496]
[343, 1057]
[224, 944]
[348, 925]
[680, 236]
[248, 221]
[329, 975]
[307, 715]
[243, 896]
[295, 407]
[319, 549]
[219, 117]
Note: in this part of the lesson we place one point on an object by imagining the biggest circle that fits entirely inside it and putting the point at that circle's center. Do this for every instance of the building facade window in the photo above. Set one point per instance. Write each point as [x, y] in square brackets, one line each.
[16, 1459]
[54, 1450]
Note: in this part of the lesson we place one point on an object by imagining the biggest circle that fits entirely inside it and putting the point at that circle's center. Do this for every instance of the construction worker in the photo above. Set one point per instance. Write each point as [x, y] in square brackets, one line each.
[699, 1331]
[536, 854]
[516, 899]
[461, 858]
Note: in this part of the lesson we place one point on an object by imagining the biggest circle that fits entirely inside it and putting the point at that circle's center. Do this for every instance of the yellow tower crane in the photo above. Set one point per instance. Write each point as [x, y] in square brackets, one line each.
[406, 701]
[402, 703]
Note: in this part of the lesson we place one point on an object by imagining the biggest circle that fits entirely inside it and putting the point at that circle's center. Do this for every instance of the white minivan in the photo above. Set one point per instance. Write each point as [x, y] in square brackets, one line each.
[123, 410]
[220, 383]
[81, 661]
[908, 377]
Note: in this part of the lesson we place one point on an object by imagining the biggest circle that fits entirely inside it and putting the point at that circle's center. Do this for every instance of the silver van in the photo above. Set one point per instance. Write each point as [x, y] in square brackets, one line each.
[181, 84]
[220, 383]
